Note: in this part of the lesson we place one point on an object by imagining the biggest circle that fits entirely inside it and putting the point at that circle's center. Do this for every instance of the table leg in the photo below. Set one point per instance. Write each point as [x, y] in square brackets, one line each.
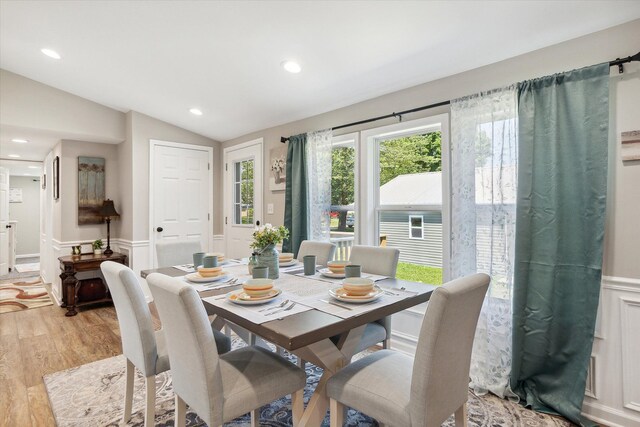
[331, 358]
[69, 283]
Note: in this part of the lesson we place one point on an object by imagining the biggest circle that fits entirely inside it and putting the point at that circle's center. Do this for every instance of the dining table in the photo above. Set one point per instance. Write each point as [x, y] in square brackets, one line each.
[304, 318]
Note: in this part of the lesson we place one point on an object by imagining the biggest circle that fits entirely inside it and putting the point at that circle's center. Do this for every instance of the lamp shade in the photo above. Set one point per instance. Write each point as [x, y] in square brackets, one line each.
[108, 210]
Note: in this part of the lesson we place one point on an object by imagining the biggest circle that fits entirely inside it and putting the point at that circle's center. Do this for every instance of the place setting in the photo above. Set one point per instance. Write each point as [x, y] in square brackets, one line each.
[259, 300]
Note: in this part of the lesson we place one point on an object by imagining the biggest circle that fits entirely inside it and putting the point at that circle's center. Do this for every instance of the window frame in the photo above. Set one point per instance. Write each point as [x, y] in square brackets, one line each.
[369, 204]
[413, 227]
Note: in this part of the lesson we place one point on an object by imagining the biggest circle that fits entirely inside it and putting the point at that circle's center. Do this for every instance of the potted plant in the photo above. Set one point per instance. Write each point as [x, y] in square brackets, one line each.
[265, 239]
[97, 246]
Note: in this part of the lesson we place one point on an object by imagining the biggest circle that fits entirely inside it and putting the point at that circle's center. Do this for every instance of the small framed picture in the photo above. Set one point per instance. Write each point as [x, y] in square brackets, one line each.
[56, 178]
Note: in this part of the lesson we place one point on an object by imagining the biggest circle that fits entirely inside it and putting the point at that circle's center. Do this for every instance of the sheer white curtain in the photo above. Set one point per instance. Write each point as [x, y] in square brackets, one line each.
[483, 191]
[319, 183]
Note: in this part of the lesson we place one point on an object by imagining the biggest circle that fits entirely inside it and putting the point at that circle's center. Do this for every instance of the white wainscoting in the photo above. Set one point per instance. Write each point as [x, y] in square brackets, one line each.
[613, 391]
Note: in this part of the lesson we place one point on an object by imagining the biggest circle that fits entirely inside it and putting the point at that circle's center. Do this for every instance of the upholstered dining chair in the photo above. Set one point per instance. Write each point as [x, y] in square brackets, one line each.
[383, 262]
[143, 347]
[176, 252]
[217, 387]
[322, 250]
[425, 390]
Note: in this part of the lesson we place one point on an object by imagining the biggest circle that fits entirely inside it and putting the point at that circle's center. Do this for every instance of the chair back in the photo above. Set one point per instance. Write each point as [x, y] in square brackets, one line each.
[176, 252]
[376, 259]
[134, 317]
[193, 355]
[322, 250]
[440, 379]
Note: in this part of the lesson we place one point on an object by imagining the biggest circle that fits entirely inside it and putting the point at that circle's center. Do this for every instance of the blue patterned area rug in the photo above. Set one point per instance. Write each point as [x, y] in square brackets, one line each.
[93, 395]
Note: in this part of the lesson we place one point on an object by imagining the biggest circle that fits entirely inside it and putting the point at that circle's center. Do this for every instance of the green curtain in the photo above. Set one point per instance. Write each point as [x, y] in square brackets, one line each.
[562, 181]
[295, 199]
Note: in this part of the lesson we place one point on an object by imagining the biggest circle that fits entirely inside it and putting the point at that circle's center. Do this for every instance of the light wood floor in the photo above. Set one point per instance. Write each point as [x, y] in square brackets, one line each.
[40, 341]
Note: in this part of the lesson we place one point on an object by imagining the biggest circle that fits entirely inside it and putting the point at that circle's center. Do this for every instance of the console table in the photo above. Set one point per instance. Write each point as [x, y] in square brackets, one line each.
[76, 293]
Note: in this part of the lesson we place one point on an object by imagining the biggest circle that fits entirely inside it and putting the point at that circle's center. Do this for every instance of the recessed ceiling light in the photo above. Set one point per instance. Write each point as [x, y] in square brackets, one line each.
[19, 141]
[34, 167]
[15, 156]
[50, 53]
[292, 66]
[196, 111]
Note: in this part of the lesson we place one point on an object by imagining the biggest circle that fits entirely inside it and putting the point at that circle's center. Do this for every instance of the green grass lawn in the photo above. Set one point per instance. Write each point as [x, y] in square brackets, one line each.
[419, 273]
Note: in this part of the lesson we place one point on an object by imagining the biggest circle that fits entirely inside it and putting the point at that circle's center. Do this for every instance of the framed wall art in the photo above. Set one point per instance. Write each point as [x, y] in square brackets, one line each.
[56, 178]
[91, 189]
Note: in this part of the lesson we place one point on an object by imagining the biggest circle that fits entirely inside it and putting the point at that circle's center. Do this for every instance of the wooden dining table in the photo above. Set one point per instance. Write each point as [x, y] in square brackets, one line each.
[308, 334]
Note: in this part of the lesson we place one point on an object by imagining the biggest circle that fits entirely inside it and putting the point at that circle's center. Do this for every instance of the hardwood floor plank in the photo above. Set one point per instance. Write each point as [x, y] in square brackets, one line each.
[39, 409]
[31, 323]
[14, 403]
[8, 324]
[10, 358]
[40, 357]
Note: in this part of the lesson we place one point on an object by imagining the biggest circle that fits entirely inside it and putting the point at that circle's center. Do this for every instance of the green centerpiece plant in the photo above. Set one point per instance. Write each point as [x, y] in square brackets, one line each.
[265, 239]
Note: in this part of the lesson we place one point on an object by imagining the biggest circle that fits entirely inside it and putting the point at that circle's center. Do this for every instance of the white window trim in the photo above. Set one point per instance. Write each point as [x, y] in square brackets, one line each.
[342, 140]
[369, 180]
[411, 227]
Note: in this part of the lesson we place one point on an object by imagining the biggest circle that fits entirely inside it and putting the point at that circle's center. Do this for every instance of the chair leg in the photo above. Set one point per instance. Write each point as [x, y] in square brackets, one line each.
[252, 339]
[297, 406]
[386, 344]
[130, 372]
[150, 409]
[181, 412]
[279, 350]
[301, 363]
[461, 416]
[255, 418]
[336, 413]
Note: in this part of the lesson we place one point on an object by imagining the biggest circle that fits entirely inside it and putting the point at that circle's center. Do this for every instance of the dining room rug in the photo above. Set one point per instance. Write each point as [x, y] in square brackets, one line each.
[24, 268]
[22, 295]
[93, 394]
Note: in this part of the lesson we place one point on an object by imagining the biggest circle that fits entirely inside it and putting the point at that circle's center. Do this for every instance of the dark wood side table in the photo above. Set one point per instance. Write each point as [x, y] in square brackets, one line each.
[76, 293]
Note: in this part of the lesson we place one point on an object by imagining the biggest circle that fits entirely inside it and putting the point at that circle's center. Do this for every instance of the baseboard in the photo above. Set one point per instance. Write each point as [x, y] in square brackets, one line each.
[403, 343]
[610, 417]
[28, 255]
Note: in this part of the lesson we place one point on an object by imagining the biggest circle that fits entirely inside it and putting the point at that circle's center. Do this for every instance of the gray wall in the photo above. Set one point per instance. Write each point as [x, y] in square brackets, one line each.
[66, 207]
[27, 214]
[621, 41]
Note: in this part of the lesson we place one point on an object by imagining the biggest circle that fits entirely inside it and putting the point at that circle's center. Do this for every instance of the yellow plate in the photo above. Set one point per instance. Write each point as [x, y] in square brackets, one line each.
[240, 297]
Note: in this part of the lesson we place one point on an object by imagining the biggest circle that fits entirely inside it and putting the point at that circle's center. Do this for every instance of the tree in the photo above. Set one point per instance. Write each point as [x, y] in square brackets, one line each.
[342, 181]
[410, 154]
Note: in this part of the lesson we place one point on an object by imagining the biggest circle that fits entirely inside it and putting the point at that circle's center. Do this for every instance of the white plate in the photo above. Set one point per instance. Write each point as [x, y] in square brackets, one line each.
[328, 273]
[197, 278]
[289, 263]
[239, 297]
[340, 294]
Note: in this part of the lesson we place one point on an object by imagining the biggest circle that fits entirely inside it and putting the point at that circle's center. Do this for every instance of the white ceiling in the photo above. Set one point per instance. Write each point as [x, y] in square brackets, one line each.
[163, 57]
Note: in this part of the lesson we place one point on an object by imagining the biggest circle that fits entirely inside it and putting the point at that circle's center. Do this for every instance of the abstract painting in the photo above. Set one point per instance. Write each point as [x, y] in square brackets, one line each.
[90, 190]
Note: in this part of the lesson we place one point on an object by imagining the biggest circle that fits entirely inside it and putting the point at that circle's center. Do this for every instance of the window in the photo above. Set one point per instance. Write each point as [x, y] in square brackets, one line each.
[243, 200]
[415, 227]
[343, 194]
[405, 195]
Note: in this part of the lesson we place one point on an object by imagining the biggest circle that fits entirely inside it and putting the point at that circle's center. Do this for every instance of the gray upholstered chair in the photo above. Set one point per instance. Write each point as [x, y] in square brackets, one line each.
[322, 250]
[383, 262]
[425, 390]
[143, 347]
[217, 387]
[176, 252]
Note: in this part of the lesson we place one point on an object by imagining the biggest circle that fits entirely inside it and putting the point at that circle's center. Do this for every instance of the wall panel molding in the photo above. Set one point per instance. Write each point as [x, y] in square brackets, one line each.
[630, 340]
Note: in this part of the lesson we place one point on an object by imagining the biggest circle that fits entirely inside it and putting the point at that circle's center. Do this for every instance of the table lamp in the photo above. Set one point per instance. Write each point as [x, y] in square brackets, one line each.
[108, 211]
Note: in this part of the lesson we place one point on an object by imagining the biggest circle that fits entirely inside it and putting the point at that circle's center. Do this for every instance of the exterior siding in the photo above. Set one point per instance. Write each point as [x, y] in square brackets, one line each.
[426, 251]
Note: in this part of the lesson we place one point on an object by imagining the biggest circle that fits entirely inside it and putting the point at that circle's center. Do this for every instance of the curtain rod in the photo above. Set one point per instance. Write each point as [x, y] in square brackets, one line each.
[617, 61]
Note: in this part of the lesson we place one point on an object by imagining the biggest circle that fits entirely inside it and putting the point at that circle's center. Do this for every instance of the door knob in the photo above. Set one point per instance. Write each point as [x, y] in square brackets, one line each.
[7, 226]
[159, 229]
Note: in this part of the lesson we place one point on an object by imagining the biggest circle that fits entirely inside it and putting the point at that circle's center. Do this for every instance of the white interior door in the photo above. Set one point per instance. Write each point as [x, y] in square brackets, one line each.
[4, 221]
[242, 196]
[182, 193]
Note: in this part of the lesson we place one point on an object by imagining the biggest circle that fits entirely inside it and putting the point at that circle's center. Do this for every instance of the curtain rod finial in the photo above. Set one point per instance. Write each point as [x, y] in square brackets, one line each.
[283, 139]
